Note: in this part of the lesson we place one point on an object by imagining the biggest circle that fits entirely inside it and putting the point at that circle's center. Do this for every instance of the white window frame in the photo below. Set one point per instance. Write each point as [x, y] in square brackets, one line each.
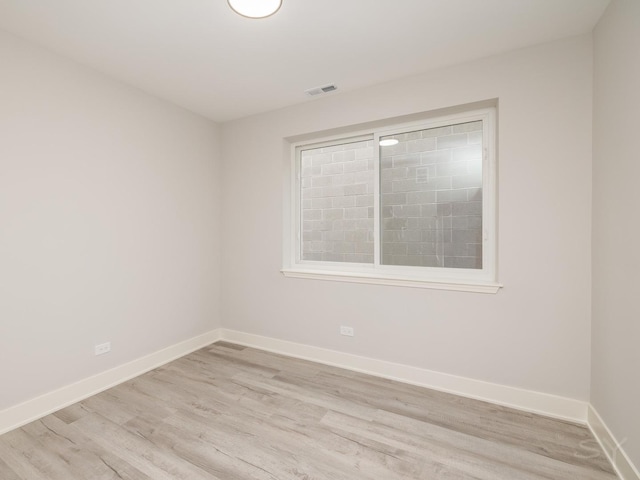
[474, 280]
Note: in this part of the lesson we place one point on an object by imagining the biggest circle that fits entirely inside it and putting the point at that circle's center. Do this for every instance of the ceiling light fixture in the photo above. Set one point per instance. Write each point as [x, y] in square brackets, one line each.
[255, 8]
[389, 142]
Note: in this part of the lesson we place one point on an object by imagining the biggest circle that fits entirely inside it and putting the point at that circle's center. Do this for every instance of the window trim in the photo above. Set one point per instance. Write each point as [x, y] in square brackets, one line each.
[473, 280]
[401, 281]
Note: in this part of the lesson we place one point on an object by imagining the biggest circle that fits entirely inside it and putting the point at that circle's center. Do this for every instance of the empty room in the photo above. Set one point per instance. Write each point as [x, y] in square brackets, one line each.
[328, 240]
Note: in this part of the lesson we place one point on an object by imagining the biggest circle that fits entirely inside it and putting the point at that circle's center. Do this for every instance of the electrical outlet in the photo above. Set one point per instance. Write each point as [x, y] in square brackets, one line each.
[102, 348]
[348, 331]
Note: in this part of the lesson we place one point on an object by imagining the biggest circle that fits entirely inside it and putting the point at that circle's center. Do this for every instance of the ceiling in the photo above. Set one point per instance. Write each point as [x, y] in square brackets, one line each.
[202, 56]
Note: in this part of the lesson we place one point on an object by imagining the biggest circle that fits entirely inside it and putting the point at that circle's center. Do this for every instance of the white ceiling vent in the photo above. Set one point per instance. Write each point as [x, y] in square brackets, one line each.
[320, 90]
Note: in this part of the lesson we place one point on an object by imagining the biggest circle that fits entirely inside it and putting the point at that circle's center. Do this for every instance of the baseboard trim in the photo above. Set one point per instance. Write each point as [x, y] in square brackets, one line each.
[26, 412]
[614, 450]
[527, 400]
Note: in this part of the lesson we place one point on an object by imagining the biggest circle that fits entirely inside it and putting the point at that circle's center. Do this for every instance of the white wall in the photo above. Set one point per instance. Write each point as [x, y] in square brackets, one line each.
[535, 333]
[616, 224]
[109, 222]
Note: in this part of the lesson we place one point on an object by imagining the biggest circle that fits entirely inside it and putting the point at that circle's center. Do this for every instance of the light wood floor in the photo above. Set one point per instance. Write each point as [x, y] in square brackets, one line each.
[227, 412]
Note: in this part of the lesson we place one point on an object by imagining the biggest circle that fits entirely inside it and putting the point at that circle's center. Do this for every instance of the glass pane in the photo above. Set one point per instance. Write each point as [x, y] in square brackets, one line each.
[431, 197]
[337, 203]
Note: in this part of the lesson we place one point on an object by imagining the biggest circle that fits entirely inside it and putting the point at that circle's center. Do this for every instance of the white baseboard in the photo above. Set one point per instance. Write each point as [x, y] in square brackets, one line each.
[527, 400]
[613, 448]
[23, 413]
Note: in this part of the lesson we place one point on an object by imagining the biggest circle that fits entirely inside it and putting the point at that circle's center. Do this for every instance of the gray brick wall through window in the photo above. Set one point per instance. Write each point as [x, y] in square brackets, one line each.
[430, 199]
[337, 203]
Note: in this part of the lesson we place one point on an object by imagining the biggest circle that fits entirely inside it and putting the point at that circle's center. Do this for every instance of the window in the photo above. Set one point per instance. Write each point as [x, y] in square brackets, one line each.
[410, 204]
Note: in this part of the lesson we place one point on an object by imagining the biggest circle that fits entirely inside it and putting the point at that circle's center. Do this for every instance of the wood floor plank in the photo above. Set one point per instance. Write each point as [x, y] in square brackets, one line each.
[283, 452]
[72, 413]
[160, 464]
[7, 473]
[79, 461]
[120, 468]
[228, 412]
[481, 419]
[30, 459]
[480, 457]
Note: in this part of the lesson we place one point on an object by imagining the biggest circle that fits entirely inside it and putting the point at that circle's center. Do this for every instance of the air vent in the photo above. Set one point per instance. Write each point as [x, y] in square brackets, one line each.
[312, 92]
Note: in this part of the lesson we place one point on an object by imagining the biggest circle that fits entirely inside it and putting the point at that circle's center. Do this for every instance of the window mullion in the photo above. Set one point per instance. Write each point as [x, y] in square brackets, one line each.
[377, 247]
[297, 213]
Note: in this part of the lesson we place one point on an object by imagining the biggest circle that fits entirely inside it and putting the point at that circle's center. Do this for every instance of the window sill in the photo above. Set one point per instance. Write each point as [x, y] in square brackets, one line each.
[381, 279]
